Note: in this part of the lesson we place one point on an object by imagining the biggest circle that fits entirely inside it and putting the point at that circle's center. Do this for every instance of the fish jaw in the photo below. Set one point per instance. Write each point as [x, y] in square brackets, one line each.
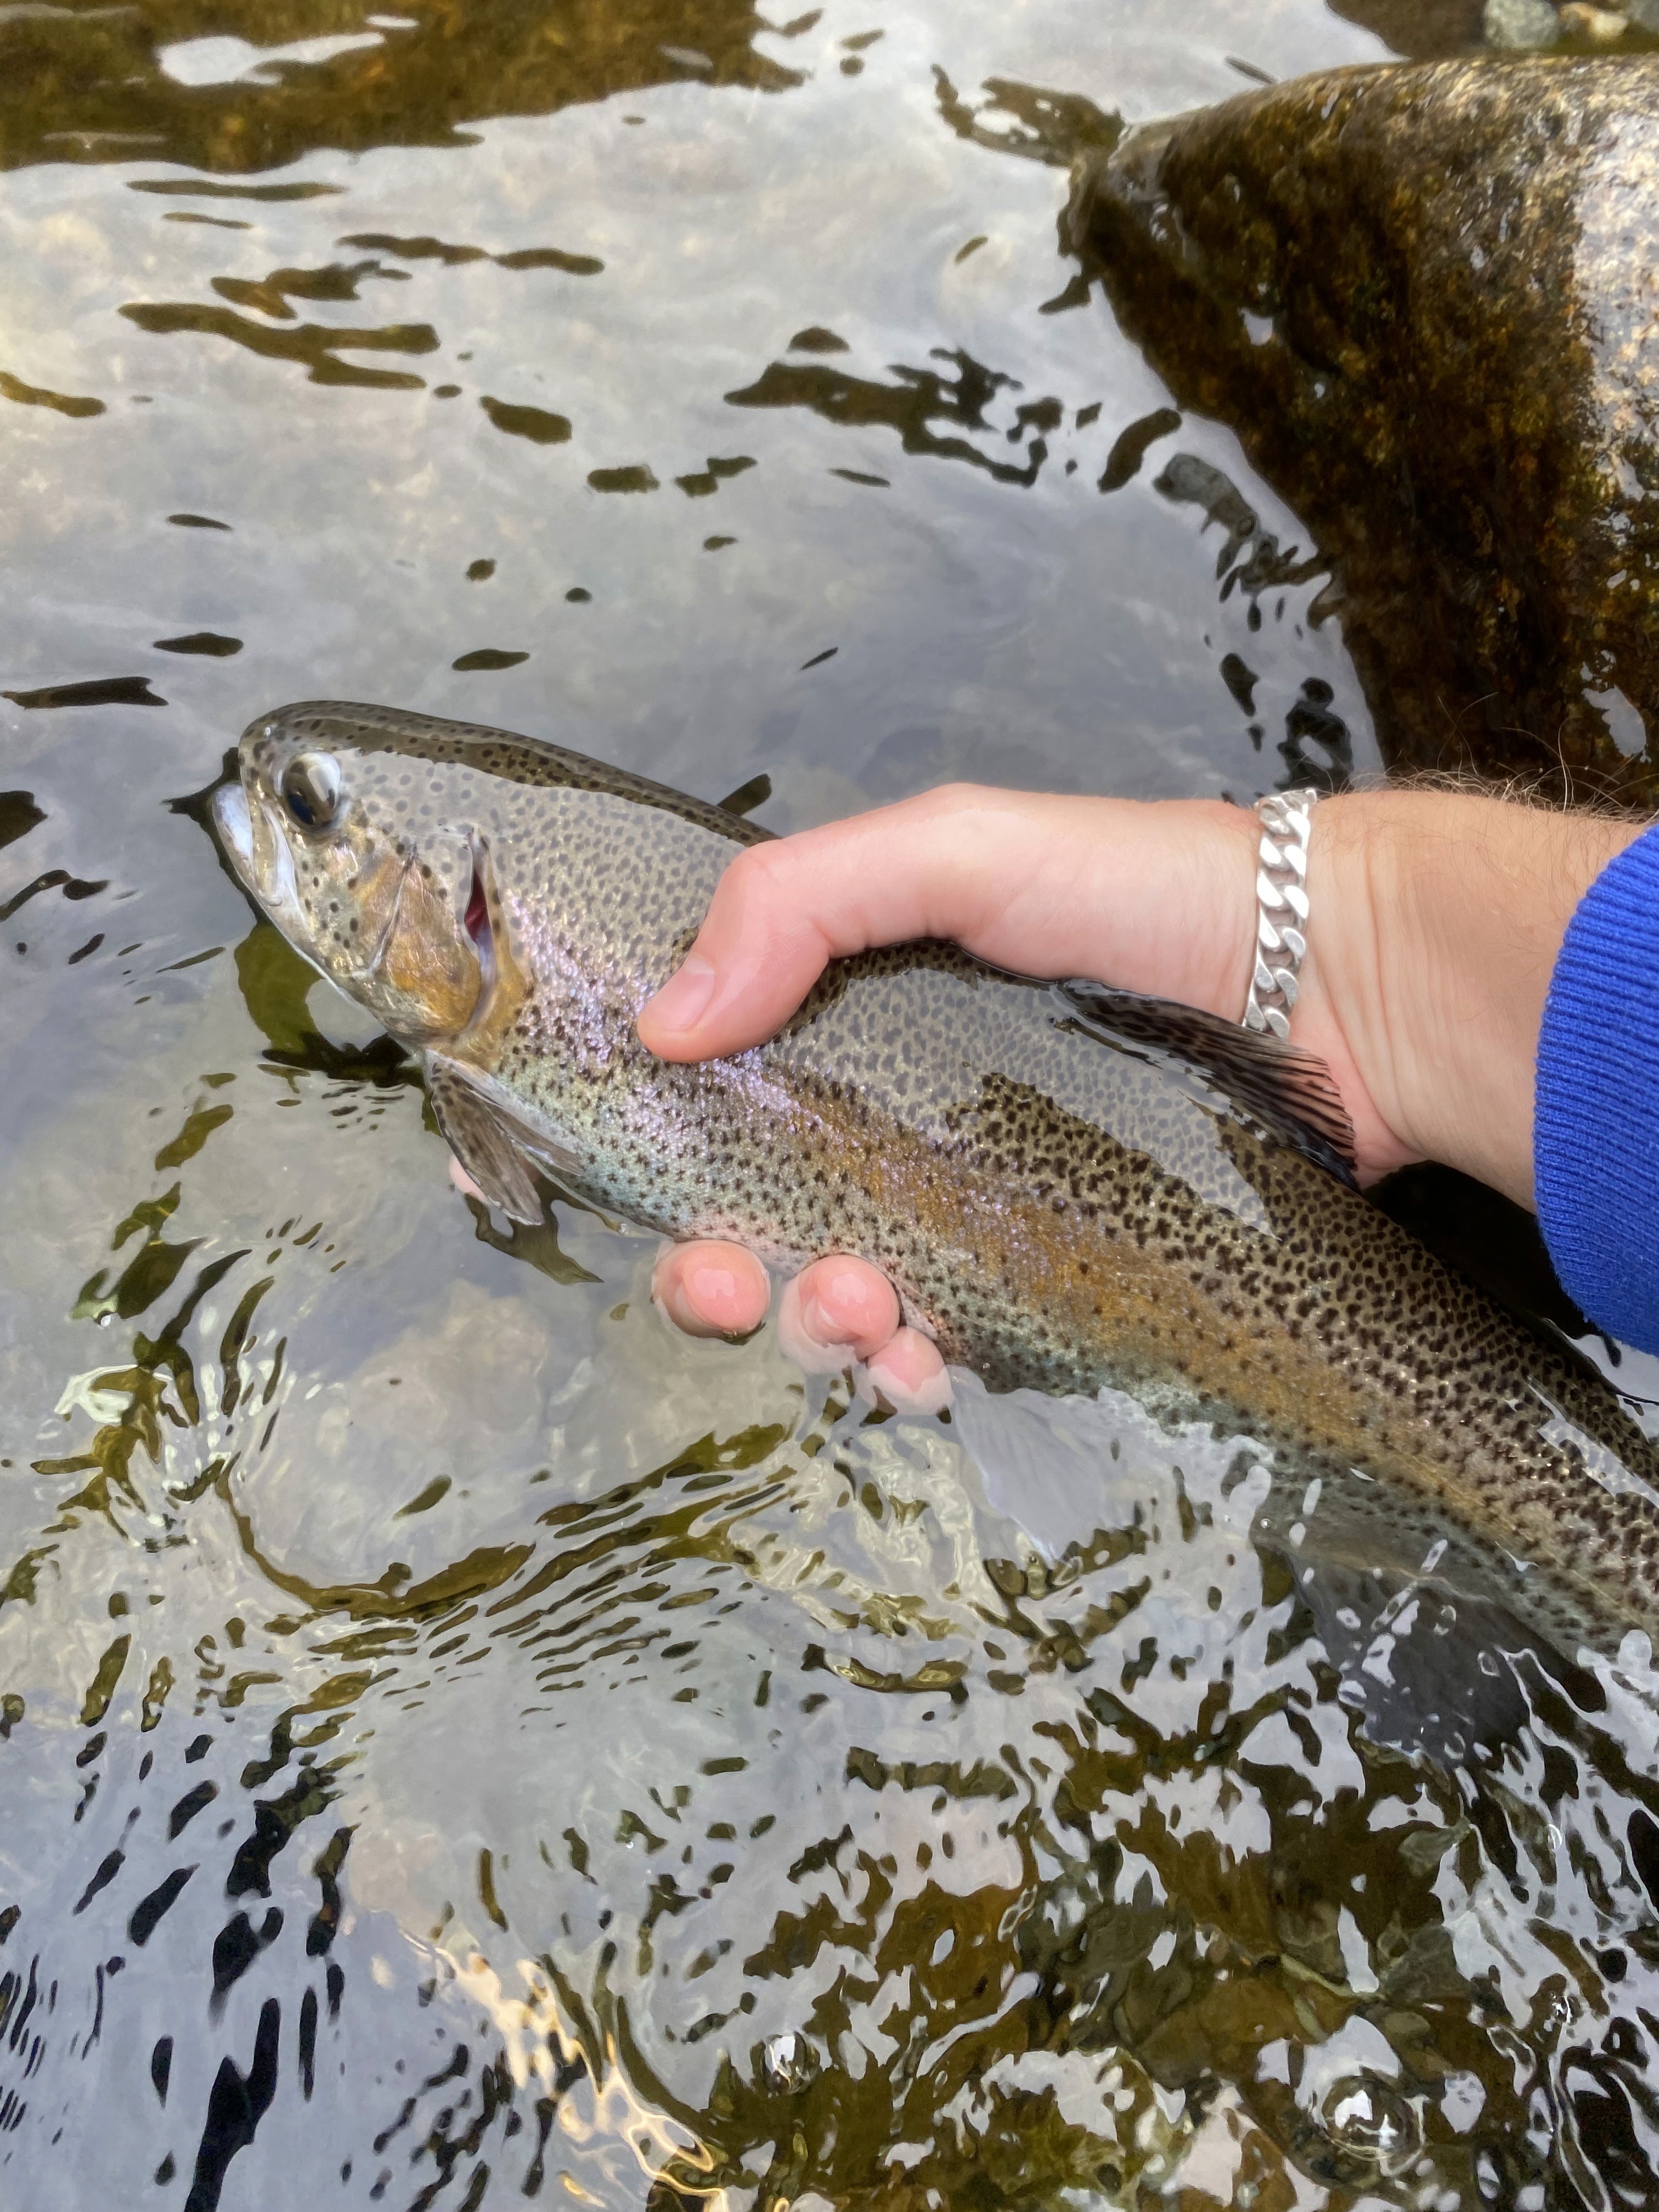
[262, 861]
[230, 818]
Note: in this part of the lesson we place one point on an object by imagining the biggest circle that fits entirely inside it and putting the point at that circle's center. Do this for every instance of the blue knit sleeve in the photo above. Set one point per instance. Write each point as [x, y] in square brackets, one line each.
[1595, 1131]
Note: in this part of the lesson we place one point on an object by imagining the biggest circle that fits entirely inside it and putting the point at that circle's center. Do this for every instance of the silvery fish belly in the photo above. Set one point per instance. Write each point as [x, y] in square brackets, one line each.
[1071, 1186]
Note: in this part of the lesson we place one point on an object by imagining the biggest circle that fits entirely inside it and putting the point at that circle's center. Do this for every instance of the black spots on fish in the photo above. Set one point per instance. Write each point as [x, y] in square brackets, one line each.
[919, 1059]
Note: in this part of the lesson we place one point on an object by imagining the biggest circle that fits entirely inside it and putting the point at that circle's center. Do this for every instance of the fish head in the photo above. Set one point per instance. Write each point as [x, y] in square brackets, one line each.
[353, 850]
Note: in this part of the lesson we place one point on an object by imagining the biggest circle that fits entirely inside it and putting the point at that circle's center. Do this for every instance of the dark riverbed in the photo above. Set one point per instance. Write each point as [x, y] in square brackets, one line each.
[459, 1741]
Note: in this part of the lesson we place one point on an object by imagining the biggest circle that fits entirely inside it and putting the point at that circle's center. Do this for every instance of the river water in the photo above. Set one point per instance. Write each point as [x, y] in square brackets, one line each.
[460, 1743]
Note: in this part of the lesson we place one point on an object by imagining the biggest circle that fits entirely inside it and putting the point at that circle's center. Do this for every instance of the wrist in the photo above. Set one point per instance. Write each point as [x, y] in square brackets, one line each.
[1437, 920]
[1338, 1016]
[1188, 931]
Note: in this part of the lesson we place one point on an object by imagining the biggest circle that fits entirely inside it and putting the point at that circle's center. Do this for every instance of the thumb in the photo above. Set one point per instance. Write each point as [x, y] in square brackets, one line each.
[755, 959]
[782, 911]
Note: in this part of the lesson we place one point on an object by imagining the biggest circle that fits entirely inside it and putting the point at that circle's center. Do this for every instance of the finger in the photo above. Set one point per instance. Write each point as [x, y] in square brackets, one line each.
[463, 1182]
[712, 1289]
[783, 909]
[845, 1303]
[817, 1355]
[908, 1374]
[835, 1313]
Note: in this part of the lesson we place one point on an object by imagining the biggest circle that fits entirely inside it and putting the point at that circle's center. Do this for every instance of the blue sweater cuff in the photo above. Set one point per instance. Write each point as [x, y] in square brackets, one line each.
[1595, 1130]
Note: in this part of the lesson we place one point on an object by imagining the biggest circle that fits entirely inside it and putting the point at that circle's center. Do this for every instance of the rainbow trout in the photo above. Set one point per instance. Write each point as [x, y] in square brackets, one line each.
[1071, 1186]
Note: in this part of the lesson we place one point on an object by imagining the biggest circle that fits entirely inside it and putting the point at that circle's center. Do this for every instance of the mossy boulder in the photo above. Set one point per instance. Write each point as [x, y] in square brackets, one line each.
[1426, 296]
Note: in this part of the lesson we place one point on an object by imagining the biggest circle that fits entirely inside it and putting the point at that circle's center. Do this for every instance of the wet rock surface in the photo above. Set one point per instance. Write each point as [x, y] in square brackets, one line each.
[1427, 299]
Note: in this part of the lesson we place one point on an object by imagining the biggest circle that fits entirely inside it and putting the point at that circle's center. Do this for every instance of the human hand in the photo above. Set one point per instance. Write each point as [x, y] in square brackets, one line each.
[1033, 883]
[840, 1312]
[1436, 921]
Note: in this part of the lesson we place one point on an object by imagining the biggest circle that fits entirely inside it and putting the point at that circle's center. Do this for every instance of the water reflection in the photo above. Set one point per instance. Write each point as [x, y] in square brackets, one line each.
[917, 400]
[315, 347]
[168, 80]
[1051, 127]
[459, 1740]
[101, 691]
[1054, 1874]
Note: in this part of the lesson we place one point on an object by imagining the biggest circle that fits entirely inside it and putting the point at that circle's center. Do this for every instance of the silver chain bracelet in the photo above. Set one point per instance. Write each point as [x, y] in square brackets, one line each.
[1281, 908]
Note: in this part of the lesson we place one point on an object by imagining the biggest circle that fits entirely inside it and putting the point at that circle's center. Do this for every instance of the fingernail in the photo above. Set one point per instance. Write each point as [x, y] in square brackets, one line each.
[685, 997]
[714, 1295]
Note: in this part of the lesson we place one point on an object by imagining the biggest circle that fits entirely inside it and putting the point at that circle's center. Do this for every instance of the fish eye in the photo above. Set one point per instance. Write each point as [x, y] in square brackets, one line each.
[311, 789]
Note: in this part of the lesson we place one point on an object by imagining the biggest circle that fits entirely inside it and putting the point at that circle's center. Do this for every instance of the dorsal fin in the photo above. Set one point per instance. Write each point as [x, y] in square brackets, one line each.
[1288, 1092]
[747, 797]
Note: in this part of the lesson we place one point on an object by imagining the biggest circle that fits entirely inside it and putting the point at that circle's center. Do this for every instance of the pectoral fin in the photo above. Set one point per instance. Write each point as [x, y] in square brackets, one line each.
[499, 1147]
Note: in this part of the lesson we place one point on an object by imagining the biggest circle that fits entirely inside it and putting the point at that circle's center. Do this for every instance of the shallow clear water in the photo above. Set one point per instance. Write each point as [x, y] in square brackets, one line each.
[459, 1738]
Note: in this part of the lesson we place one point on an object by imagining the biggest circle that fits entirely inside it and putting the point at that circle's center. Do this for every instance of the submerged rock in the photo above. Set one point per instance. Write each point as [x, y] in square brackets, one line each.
[1426, 296]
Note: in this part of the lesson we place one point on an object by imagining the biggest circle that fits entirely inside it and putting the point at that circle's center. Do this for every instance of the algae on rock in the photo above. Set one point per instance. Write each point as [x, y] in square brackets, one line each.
[1426, 296]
